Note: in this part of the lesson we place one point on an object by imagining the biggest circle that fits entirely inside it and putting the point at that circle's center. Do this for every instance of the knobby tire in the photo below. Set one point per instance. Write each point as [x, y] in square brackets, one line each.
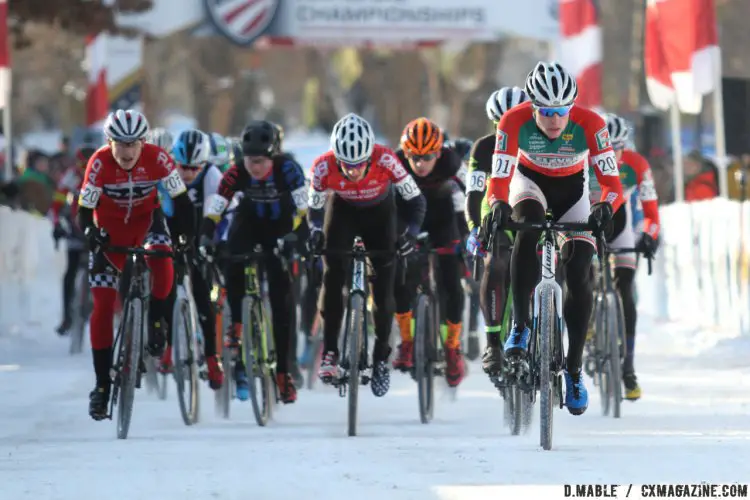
[355, 338]
[130, 350]
[424, 347]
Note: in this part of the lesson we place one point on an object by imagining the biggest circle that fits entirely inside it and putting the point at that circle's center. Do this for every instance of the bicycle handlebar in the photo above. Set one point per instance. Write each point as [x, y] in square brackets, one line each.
[617, 251]
[139, 251]
[549, 225]
[351, 253]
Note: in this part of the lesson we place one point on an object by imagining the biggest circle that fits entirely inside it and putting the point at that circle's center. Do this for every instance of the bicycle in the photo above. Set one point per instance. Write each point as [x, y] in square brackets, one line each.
[517, 407]
[222, 314]
[428, 342]
[541, 368]
[82, 306]
[258, 355]
[127, 364]
[313, 279]
[354, 364]
[604, 359]
[187, 350]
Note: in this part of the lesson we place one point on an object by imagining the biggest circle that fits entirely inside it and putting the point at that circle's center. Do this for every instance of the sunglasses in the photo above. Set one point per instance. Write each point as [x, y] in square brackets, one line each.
[618, 146]
[553, 110]
[191, 167]
[353, 166]
[427, 157]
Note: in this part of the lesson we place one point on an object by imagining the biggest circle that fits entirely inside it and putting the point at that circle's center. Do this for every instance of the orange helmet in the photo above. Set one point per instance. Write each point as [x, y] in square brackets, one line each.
[421, 137]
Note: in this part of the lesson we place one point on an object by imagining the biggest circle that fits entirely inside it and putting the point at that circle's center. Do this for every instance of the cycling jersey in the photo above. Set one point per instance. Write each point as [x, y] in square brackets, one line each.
[384, 170]
[69, 185]
[635, 176]
[585, 139]
[438, 188]
[480, 167]
[120, 195]
[279, 200]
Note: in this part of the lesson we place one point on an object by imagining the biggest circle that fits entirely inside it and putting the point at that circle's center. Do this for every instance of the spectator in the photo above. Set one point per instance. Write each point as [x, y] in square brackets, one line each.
[35, 184]
[700, 178]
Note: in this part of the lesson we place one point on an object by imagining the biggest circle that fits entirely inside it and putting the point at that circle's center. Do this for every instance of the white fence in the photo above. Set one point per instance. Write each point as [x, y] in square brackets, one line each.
[701, 273]
[30, 271]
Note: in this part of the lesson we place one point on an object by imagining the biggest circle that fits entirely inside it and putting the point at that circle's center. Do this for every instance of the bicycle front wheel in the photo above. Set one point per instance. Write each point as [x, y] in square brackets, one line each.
[253, 331]
[185, 365]
[80, 312]
[546, 327]
[354, 338]
[129, 361]
[601, 325]
[615, 324]
[425, 338]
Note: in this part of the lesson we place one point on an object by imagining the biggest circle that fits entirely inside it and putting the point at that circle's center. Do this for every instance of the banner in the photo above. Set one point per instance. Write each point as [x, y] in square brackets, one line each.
[245, 22]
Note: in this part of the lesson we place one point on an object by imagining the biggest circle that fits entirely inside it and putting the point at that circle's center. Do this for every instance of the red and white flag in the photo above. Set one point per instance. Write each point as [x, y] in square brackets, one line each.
[97, 99]
[5, 71]
[682, 56]
[581, 48]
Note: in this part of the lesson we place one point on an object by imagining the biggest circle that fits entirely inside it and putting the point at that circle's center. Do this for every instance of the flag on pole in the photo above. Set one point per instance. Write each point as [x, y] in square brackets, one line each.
[681, 54]
[581, 48]
[5, 71]
[97, 100]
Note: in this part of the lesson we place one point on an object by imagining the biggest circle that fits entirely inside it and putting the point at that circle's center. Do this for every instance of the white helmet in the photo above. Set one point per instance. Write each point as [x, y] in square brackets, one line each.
[192, 147]
[619, 130]
[126, 125]
[548, 84]
[161, 137]
[352, 139]
[502, 100]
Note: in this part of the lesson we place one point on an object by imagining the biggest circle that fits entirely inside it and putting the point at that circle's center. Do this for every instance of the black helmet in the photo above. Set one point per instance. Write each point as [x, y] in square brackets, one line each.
[258, 139]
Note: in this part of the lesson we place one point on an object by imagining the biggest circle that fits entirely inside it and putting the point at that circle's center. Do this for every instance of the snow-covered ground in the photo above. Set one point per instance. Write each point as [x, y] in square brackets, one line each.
[692, 425]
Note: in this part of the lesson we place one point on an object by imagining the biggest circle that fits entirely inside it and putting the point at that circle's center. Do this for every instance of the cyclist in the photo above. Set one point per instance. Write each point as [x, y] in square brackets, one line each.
[360, 174]
[274, 199]
[118, 205]
[635, 175]
[462, 147]
[306, 299]
[220, 150]
[65, 227]
[161, 137]
[433, 168]
[495, 281]
[552, 141]
[191, 152]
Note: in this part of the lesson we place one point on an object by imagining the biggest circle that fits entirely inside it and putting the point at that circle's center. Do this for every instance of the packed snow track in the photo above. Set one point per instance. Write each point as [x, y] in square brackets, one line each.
[692, 425]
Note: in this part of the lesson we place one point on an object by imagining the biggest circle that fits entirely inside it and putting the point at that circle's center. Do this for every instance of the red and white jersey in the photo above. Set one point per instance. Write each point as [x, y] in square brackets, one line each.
[385, 169]
[122, 195]
[68, 186]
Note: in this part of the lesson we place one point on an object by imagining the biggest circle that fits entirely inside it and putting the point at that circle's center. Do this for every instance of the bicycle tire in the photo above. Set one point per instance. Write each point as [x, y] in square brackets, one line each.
[600, 350]
[223, 397]
[185, 366]
[316, 346]
[354, 338]
[424, 338]
[252, 327]
[80, 315]
[615, 323]
[546, 331]
[130, 350]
